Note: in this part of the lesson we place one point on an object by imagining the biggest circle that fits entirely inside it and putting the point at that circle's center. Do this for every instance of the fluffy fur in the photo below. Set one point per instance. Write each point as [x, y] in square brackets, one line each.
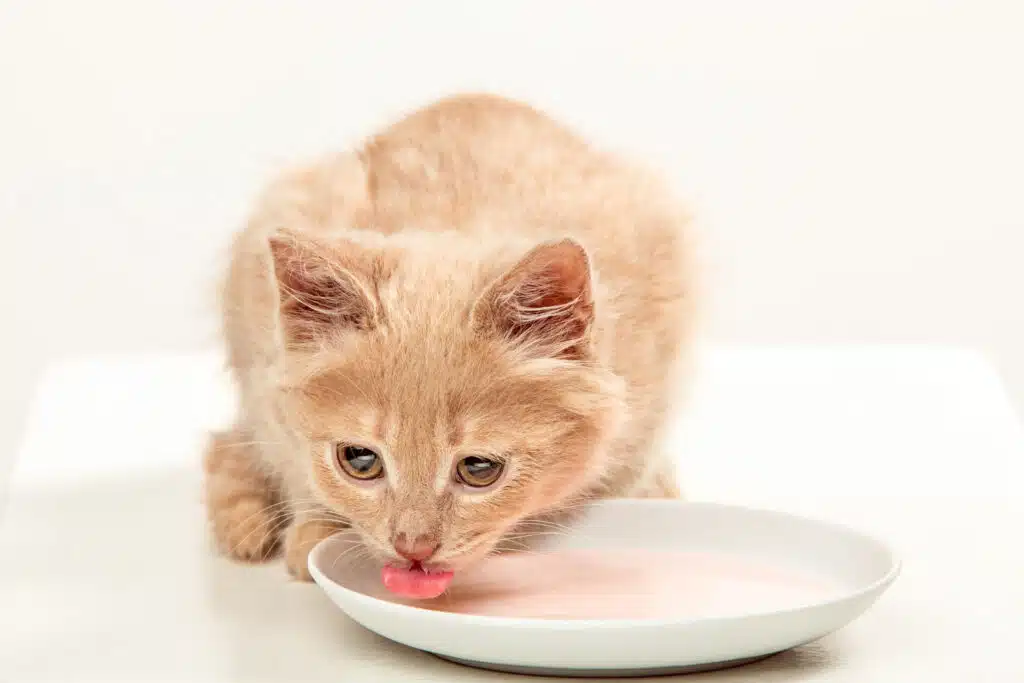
[473, 280]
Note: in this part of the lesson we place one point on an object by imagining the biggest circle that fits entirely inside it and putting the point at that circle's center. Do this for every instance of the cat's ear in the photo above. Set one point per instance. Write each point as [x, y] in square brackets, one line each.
[543, 303]
[322, 285]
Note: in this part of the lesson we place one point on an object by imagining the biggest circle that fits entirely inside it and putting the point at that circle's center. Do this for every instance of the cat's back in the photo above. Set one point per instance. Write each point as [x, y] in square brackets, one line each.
[467, 161]
[490, 165]
[479, 162]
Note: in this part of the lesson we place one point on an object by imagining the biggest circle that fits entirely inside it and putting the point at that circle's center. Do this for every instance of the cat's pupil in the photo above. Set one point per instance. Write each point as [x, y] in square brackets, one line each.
[478, 466]
[361, 459]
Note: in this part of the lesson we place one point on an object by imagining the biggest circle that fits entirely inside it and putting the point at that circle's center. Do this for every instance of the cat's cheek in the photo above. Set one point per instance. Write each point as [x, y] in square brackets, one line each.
[563, 483]
[494, 512]
[478, 552]
[353, 499]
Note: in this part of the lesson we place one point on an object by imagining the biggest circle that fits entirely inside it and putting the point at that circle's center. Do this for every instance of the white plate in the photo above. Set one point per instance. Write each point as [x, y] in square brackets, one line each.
[829, 576]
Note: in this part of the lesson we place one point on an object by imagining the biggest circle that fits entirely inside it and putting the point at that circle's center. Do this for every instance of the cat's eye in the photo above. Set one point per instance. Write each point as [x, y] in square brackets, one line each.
[478, 472]
[358, 462]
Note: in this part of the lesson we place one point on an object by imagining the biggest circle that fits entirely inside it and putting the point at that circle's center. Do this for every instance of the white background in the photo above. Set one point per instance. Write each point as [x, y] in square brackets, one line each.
[856, 169]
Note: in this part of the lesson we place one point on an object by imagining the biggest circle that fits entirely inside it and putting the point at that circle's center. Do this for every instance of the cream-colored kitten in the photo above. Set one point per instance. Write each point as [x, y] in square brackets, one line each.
[470, 322]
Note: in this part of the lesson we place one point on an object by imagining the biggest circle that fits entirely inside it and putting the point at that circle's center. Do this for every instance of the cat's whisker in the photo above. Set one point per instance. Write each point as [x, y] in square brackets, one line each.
[273, 510]
[539, 534]
[262, 528]
[544, 525]
[541, 522]
[356, 545]
[274, 531]
[272, 526]
[517, 551]
[277, 515]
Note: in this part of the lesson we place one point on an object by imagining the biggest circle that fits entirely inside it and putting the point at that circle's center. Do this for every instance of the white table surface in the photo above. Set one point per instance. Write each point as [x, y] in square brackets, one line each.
[106, 574]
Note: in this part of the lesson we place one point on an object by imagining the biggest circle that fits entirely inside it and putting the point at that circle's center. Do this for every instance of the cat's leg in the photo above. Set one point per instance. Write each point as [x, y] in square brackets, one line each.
[243, 506]
[666, 484]
[660, 482]
[306, 530]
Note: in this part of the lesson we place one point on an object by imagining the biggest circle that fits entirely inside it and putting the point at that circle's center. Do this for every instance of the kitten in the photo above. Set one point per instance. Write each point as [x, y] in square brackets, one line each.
[472, 321]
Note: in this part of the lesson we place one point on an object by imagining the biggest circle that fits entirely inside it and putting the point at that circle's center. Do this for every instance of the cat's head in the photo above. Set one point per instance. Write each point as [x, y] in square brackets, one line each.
[445, 391]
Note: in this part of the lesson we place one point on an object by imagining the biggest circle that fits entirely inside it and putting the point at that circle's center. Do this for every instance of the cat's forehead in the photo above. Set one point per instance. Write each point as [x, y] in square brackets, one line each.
[437, 295]
[413, 369]
[446, 392]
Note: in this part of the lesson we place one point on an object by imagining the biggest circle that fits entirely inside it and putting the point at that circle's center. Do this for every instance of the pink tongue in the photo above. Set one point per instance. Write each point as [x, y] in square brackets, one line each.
[414, 582]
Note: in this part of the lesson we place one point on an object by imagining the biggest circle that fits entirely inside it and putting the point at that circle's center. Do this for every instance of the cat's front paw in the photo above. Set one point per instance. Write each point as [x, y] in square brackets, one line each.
[240, 501]
[246, 530]
[299, 540]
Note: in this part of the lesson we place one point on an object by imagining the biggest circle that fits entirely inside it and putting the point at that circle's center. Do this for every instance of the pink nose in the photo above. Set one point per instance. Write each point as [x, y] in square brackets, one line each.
[417, 550]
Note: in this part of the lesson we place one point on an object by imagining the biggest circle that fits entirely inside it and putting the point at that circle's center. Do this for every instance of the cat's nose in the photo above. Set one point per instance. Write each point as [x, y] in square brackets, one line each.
[417, 549]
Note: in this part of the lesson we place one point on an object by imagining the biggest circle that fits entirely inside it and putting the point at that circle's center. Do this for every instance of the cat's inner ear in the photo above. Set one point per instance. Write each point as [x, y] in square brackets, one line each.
[544, 303]
[320, 286]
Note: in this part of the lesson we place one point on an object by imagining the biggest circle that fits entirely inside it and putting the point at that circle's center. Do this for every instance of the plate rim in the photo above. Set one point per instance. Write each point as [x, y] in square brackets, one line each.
[538, 623]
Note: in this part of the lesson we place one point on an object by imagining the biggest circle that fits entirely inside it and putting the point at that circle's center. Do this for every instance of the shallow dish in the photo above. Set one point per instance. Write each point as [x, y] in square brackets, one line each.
[750, 583]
